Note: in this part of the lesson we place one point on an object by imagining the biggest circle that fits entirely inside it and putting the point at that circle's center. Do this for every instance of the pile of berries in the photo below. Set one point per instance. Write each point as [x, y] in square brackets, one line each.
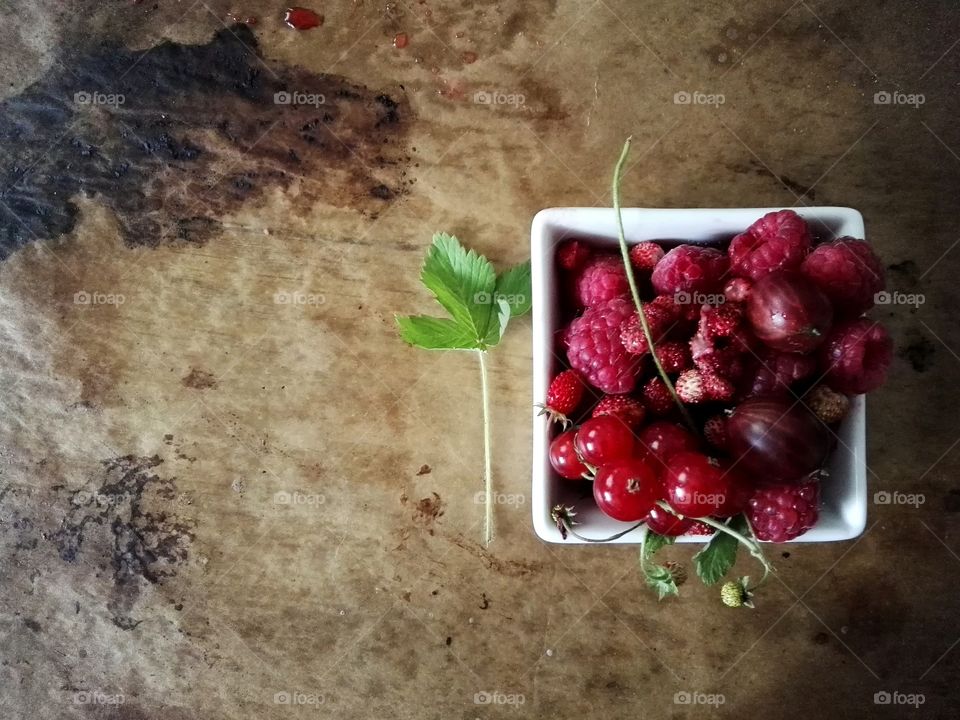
[763, 345]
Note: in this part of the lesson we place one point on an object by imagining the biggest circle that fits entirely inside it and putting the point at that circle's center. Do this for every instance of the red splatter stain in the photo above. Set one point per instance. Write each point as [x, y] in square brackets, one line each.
[301, 18]
[401, 40]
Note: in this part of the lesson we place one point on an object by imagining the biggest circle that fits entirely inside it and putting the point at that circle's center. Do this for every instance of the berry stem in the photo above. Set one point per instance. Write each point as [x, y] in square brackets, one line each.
[632, 281]
[562, 517]
[487, 458]
[749, 543]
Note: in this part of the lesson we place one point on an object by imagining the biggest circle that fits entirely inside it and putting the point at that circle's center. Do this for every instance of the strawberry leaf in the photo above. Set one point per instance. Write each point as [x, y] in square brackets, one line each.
[463, 282]
[498, 325]
[661, 580]
[716, 559]
[654, 542]
[514, 286]
[435, 333]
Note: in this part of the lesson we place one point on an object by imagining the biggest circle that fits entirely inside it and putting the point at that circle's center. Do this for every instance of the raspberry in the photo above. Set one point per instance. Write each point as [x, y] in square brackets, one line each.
[659, 320]
[689, 387]
[690, 269]
[738, 290]
[720, 320]
[602, 278]
[573, 254]
[563, 396]
[645, 255]
[628, 410]
[777, 241]
[657, 397]
[848, 272]
[595, 350]
[781, 512]
[715, 431]
[673, 356]
[829, 406]
[856, 356]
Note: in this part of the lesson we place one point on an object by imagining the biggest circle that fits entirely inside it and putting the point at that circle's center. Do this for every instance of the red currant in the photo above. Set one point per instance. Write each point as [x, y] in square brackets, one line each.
[664, 439]
[665, 523]
[604, 439]
[563, 457]
[696, 485]
[626, 489]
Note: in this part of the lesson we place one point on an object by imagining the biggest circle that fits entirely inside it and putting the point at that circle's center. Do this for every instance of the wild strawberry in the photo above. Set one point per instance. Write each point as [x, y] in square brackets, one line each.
[659, 322]
[657, 397]
[689, 387]
[717, 387]
[629, 410]
[673, 356]
[563, 397]
[826, 404]
[645, 255]
[715, 431]
[720, 320]
[573, 254]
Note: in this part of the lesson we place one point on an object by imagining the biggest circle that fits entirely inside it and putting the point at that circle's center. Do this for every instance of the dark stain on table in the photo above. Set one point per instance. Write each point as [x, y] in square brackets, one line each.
[175, 138]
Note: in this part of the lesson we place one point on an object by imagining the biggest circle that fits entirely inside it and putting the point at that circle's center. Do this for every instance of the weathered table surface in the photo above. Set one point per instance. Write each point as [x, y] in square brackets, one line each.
[196, 303]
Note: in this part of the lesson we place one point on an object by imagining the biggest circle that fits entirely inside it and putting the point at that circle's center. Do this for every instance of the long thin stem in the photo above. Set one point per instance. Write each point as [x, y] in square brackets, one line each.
[625, 251]
[487, 455]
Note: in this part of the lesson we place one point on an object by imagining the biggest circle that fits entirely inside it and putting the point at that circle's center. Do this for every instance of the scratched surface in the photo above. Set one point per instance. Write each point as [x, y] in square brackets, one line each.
[228, 491]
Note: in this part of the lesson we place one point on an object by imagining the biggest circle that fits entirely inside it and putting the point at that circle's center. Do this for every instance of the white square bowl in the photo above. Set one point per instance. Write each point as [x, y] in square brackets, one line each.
[843, 513]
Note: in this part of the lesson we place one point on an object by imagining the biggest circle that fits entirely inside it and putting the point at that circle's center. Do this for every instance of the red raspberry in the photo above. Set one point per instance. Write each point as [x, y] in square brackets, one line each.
[848, 272]
[627, 409]
[563, 396]
[715, 431]
[690, 269]
[657, 397]
[738, 290]
[720, 320]
[602, 278]
[856, 356]
[659, 320]
[645, 255]
[781, 512]
[689, 387]
[573, 254]
[777, 241]
[673, 356]
[596, 352]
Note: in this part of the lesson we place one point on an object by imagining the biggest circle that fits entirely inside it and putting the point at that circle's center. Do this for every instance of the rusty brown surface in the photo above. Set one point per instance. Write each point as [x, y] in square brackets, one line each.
[223, 478]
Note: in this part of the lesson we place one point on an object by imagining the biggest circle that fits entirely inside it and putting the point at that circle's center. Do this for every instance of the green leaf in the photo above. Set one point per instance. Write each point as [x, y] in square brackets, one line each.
[498, 325]
[514, 286]
[435, 333]
[463, 283]
[716, 559]
[654, 542]
[661, 580]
